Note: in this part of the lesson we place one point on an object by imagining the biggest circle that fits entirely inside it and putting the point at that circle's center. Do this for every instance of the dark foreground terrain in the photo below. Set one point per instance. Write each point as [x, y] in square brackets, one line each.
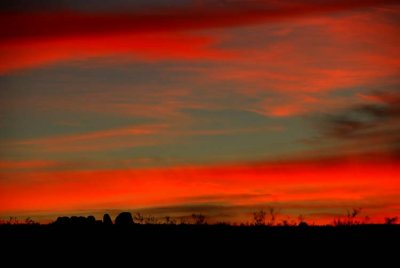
[359, 243]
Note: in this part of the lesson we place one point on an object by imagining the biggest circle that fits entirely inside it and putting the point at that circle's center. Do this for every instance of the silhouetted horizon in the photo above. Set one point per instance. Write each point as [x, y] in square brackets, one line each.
[260, 218]
[213, 107]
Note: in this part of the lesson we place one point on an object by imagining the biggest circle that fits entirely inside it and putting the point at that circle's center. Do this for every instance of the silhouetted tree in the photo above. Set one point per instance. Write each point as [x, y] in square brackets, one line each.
[12, 221]
[107, 219]
[29, 221]
[303, 224]
[75, 220]
[123, 219]
[350, 219]
[259, 217]
[302, 221]
[391, 221]
[150, 220]
[78, 220]
[199, 219]
[62, 221]
[91, 220]
[184, 221]
[337, 221]
[285, 223]
[272, 214]
[139, 218]
[352, 215]
[170, 220]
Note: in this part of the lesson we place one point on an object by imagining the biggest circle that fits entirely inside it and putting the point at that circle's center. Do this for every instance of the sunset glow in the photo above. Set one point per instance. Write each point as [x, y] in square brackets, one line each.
[214, 107]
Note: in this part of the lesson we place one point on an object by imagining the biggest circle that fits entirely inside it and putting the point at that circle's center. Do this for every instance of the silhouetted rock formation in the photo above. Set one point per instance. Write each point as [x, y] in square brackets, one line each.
[107, 219]
[74, 220]
[124, 218]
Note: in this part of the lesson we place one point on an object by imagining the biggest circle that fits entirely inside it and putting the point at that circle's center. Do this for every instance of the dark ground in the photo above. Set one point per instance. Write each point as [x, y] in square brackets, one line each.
[359, 243]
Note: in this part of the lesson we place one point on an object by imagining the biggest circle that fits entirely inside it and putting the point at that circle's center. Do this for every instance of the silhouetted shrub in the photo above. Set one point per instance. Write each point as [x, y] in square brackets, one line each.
[30, 221]
[302, 221]
[107, 219]
[303, 224]
[12, 221]
[184, 220]
[124, 218]
[139, 218]
[272, 214]
[349, 220]
[259, 217]
[391, 221]
[352, 215]
[151, 220]
[78, 220]
[62, 221]
[74, 220]
[169, 220]
[199, 219]
[91, 220]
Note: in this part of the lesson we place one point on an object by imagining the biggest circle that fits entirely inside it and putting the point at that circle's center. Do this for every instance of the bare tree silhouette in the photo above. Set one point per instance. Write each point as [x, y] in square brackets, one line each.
[184, 220]
[350, 218]
[169, 220]
[139, 218]
[199, 219]
[259, 217]
[150, 220]
[30, 221]
[12, 221]
[272, 215]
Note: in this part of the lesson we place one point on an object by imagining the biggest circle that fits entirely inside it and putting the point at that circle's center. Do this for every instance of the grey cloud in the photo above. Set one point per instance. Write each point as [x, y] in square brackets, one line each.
[374, 124]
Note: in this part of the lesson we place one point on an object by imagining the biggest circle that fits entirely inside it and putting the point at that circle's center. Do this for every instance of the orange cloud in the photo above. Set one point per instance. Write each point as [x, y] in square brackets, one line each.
[40, 38]
[139, 46]
[66, 24]
[290, 185]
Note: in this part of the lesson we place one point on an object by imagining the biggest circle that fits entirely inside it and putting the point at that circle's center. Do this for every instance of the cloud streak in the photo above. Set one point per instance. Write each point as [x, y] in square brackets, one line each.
[70, 24]
[374, 123]
[292, 183]
[190, 87]
[40, 38]
[125, 137]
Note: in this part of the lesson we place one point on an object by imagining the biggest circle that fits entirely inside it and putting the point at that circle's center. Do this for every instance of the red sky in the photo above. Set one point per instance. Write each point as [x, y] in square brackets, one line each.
[326, 188]
[222, 107]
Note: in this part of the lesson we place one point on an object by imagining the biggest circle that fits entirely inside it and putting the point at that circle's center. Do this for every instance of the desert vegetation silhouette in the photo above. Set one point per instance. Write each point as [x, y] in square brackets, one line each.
[268, 228]
[265, 218]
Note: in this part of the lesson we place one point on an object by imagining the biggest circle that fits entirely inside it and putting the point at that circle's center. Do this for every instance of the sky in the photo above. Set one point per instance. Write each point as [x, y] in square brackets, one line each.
[219, 107]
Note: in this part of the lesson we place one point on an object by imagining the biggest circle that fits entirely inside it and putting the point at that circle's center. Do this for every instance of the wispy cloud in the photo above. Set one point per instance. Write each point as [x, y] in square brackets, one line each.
[151, 34]
[93, 140]
[296, 187]
[199, 83]
[371, 127]
[237, 13]
[128, 137]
